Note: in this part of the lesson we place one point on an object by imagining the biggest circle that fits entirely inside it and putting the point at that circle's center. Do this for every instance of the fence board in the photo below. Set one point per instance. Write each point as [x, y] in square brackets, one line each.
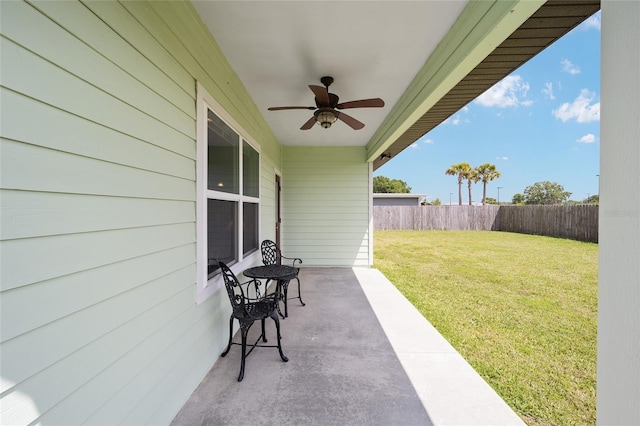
[577, 222]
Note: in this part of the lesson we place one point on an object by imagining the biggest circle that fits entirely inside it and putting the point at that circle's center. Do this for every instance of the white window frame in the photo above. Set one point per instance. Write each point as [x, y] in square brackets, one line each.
[205, 286]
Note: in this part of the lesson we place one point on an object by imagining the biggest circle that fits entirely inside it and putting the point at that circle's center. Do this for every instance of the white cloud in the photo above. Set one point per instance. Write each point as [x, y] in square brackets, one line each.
[592, 22]
[548, 90]
[424, 139]
[509, 92]
[502, 158]
[414, 146]
[588, 138]
[458, 118]
[580, 109]
[567, 66]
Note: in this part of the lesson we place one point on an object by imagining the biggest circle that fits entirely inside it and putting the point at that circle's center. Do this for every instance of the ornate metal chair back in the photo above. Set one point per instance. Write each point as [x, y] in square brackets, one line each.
[234, 289]
[271, 254]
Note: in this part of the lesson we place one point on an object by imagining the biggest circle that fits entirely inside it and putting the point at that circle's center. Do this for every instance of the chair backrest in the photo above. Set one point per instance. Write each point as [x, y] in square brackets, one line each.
[271, 254]
[234, 289]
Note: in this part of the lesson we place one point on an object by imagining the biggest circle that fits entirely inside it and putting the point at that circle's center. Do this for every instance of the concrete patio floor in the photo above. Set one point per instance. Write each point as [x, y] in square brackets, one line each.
[359, 354]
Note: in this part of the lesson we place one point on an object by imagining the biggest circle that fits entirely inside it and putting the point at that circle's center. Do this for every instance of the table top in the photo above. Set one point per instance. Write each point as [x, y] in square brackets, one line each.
[272, 272]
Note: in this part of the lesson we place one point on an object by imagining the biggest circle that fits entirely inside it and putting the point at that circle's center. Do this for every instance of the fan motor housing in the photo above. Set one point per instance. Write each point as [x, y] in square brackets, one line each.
[327, 80]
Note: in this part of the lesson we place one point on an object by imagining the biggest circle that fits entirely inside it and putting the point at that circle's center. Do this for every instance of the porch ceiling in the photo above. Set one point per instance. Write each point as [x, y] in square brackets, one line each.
[372, 49]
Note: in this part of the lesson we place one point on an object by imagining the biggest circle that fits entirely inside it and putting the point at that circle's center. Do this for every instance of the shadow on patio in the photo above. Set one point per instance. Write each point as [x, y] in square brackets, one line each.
[359, 354]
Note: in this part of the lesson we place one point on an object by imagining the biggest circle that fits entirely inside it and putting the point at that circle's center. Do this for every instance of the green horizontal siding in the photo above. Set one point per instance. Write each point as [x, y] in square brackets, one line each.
[85, 63]
[33, 168]
[63, 213]
[326, 205]
[106, 145]
[97, 226]
[70, 253]
[42, 80]
[50, 375]
[136, 346]
[50, 299]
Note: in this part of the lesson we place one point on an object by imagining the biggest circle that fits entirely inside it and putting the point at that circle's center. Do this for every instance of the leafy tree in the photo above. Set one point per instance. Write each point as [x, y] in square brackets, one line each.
[517, 199]
[592, 199]
[490, 200]
[486, 173]
[382, 184]
[545, 193]
[461, 170]
[435, 202]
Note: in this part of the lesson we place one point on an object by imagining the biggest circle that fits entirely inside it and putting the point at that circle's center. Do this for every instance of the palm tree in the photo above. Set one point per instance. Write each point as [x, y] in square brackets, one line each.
[486, 173]
[472, 177]
[462, 171]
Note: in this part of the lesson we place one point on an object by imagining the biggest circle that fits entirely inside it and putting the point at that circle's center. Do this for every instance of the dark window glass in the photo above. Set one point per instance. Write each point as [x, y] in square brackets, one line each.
[250, 171]
[223, 156]
[249, 228]
[222, 231]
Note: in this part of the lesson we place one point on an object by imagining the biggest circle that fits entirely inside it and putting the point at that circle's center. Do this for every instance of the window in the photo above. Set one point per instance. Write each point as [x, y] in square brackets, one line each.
[228, 195]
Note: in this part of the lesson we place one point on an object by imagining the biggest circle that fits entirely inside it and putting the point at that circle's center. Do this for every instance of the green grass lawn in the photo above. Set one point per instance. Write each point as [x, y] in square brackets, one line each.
[521, 309]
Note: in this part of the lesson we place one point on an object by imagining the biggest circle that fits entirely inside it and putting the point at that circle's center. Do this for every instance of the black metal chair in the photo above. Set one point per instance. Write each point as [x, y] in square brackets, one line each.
[271, 255]
[248, 310]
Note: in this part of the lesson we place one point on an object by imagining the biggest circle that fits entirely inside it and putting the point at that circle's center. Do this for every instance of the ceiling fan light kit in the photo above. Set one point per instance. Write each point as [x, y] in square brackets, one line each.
[326, 103]
[326, 117]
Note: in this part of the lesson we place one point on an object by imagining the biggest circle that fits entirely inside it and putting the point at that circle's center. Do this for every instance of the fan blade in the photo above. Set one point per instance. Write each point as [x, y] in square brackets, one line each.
[322, 94]
[350, 121]
[290, 107]
[309, 124]
[362, 103]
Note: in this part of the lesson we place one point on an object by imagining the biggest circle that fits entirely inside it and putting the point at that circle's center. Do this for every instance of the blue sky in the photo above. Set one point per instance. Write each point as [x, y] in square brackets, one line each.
[540, 123]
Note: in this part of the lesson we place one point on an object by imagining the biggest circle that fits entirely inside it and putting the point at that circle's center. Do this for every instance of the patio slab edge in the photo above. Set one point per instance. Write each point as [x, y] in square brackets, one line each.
[451, 391]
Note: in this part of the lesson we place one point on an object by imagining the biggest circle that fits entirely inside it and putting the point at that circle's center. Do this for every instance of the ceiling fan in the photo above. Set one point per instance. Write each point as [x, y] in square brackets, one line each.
[326, 105]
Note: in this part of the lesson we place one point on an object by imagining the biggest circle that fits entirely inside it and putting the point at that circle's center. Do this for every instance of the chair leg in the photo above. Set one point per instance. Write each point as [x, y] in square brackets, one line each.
[230, 337]
[264, 335]
[274, 315]
[300, 295]
[244, 329]
[244, 355]
[280, 295]
[285, 289]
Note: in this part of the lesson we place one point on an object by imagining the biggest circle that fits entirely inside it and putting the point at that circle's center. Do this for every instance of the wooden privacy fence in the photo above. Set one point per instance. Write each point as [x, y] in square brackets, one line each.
[474, 218]
[577, 222]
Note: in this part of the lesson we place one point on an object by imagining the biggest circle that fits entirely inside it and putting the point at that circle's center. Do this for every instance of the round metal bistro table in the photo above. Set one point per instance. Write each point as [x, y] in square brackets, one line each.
[279, 273]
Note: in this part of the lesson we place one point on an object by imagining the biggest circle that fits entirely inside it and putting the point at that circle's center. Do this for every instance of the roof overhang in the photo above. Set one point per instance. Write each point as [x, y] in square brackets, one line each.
[426, 59]
[435, 101]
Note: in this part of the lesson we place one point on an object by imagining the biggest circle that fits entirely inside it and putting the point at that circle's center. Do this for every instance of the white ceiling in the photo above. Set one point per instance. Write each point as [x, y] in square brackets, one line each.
[371, 48]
